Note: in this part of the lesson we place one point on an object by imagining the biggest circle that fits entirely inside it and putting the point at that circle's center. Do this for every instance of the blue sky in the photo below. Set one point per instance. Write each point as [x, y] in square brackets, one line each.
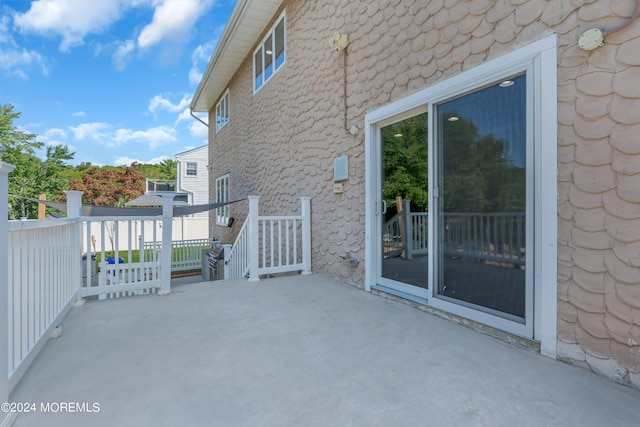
[112, 79]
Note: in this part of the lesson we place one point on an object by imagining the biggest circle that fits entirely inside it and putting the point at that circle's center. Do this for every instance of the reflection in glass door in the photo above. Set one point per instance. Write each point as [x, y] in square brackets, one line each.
[405, 201]
[482, 170]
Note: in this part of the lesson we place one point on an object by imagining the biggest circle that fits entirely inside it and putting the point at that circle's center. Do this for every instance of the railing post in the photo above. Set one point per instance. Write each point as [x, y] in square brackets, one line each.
[406, 232]
[5, 169]
[74, 211]
[227, 253]
[165, 254]
[306, 234]
[254, 240]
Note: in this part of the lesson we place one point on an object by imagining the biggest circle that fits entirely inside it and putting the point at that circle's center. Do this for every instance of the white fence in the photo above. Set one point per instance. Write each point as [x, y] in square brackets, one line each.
[490, 236]
[185, 255]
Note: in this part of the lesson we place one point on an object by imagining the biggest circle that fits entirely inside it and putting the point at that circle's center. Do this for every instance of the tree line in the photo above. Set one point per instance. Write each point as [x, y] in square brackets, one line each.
[51, 175]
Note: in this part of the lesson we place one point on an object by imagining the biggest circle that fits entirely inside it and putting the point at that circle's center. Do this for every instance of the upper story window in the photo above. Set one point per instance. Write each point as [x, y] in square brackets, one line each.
[270, 55]
[192, 169]
[222, 111]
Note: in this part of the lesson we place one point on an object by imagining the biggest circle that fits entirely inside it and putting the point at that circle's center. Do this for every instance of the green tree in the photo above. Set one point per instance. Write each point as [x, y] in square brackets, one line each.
[406, 161]
[165, 170]
[478, 175]
[31, 176]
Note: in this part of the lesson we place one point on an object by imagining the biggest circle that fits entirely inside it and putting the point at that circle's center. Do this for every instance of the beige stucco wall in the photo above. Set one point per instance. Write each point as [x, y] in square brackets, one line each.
[280, 143]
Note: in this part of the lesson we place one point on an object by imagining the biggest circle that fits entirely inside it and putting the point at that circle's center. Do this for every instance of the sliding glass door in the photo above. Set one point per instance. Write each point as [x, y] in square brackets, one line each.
[482, 244]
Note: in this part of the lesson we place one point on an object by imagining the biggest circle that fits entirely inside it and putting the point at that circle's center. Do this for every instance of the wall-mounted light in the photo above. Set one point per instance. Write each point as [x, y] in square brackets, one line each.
[591, 39]
[594, 38]
[506, 83]
[339, 41]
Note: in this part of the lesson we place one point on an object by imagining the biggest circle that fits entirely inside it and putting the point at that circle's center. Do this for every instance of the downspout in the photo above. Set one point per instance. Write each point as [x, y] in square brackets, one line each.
[197, 118]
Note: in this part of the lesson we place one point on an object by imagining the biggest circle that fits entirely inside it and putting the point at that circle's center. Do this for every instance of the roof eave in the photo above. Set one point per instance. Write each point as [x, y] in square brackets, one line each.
[246, 23]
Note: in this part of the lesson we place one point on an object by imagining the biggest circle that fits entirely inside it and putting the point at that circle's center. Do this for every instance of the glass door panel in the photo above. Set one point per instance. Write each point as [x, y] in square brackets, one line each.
[405, 201]
[482, 158]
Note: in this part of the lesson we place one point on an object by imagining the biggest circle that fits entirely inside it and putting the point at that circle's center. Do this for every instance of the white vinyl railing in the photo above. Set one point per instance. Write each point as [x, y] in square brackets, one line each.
[236, 257]
[279, 244]
[185, 254]
[43, 266]
[122, 270]
[490, 236]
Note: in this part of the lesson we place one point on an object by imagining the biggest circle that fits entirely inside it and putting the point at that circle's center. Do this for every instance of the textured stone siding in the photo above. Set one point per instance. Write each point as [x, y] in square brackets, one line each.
[280, 142]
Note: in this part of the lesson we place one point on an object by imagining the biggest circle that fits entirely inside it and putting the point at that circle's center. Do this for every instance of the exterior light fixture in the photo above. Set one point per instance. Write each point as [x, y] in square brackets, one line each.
[591, 39]
[268, 52]
[453, 118]
[353, 130]
[339, 41]
[506, 83]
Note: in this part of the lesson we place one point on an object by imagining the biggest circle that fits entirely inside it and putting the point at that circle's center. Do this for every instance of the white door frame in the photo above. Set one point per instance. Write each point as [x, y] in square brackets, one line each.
[539, 59]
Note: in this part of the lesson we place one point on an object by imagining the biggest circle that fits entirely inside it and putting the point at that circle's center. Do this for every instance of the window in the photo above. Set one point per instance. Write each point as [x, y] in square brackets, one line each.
[222, 111]
[222, 196]
[192, 169]
[270, 55]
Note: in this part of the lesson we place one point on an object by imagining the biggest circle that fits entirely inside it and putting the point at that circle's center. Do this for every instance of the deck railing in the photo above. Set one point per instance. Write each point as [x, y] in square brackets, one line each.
[236, 257]
[489, 236]
[279, 244]
[41, 262]
[43, 267]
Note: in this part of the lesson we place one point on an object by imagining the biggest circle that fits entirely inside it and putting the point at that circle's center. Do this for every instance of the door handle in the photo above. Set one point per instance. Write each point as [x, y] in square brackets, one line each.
[384, 207]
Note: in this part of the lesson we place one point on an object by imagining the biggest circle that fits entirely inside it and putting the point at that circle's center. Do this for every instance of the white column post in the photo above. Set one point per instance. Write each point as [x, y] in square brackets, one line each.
[306, 234]
[254, 240]
[74, 211]
[5, 169]
[165, 254]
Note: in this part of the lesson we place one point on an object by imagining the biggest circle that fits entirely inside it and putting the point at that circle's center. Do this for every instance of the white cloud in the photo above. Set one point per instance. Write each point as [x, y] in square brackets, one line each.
[154, 137]
[79, 114]
[126, 161]
[199, 130]
[14, 60]
[54, 136]
[172, 20]
[103, 133]
[71, 19]
[201, 55]
[91, 132]
[160, 102]
[122, 54]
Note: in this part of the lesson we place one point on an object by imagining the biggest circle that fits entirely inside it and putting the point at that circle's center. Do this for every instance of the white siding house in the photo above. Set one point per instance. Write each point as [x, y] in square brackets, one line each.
[193, 176]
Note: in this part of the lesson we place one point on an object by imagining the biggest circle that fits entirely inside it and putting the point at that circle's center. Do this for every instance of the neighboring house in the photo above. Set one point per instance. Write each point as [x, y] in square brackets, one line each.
[193, 175]
[518, 149]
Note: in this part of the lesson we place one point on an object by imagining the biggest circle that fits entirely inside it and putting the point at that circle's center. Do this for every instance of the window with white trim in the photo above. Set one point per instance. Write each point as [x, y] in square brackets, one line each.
[222, 196]
[270, 55]
[222, 111]
[192, 169]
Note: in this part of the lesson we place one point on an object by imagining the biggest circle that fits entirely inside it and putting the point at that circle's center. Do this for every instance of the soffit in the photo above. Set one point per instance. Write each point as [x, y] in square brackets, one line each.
[247, 22]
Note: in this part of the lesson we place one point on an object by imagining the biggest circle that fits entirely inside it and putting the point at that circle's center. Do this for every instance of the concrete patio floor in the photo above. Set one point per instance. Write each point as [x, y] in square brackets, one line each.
[301, 351]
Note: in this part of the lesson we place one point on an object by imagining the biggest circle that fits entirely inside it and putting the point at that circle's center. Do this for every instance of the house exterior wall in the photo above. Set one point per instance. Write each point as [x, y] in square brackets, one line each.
[198, 185]
[281, 141]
